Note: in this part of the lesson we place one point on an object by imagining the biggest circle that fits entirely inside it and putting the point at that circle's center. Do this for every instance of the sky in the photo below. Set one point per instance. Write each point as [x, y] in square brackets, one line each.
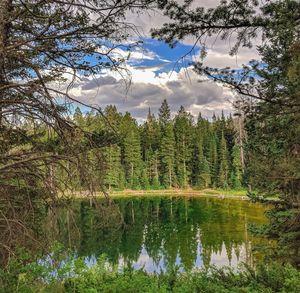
[157, 72]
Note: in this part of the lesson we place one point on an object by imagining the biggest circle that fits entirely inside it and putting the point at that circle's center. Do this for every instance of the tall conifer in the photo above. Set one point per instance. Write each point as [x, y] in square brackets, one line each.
[183, 138]
[223, 163]
[167, 146]
[131, 151]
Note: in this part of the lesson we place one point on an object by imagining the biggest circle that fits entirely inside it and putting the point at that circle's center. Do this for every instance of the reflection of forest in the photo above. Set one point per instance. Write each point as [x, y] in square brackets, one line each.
[196, 231]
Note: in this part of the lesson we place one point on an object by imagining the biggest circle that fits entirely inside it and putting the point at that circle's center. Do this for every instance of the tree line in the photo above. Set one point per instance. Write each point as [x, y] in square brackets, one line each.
[166, 152]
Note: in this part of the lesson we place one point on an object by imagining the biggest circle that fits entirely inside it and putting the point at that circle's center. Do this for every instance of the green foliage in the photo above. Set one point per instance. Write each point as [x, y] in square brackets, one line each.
[223, 163]
[183, 129]
[61, 273]
[281, 217]
[113, 170]
[201, 171]
[164, 115]
[42, 151]
[165, 152]
[166, 147]
[131, 151]
[155, 184]
[167, 157]
[273, 128]
[269, 95]
[236, 172]
[150, 133]
[145, 184]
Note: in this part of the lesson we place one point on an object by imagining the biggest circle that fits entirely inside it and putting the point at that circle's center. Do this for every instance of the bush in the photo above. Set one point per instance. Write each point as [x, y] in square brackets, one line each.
[60, 271]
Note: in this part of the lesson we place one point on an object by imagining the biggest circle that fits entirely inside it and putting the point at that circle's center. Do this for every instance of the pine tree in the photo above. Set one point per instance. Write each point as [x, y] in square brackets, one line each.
[164, 114]
[122, 179]
[113, 170]
[166, 153]
[78, 117]
[150, 146]
[131, 151]
[170, 153]
[212, 155]
[223, 163]
[230, 134]
[167, 157]
[183, 137]
[167, 147]
[201, 171]
[145, 184]
[236, 172]
[112, 117]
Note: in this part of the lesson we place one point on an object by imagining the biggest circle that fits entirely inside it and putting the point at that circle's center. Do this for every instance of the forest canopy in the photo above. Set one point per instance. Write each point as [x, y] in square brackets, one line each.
[167, 152]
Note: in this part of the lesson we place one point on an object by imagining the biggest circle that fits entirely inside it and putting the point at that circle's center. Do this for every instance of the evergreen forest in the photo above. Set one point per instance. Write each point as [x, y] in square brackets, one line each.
[167, 152]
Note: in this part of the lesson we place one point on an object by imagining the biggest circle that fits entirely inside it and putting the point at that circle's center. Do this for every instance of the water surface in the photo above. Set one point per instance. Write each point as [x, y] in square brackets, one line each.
[154, 233]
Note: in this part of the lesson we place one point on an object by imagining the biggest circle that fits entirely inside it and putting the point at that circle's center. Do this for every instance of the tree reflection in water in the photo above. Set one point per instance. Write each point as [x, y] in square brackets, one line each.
[158, 232]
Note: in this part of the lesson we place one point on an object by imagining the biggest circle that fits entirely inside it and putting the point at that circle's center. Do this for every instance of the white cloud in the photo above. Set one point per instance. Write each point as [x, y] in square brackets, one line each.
[148, 89]
[218, 50]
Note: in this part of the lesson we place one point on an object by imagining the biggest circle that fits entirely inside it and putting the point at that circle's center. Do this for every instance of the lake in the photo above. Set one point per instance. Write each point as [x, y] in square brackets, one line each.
[154, 233]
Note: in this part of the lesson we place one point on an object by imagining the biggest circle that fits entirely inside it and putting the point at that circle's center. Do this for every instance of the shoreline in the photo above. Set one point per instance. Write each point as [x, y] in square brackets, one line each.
[233, 194]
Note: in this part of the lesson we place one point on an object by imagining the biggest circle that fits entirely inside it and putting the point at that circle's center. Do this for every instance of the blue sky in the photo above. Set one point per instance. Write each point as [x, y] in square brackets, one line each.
[167, 58]
[157, 72]
[153, 53]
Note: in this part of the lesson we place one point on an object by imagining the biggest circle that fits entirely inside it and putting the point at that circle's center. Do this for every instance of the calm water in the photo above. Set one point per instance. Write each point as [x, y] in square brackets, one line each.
[155, 232]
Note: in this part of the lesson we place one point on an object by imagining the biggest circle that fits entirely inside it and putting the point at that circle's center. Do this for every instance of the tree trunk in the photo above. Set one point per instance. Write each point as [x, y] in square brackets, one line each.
[5, 7]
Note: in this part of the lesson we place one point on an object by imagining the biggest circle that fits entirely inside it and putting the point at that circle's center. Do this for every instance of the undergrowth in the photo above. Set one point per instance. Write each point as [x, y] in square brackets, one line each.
[59, 271]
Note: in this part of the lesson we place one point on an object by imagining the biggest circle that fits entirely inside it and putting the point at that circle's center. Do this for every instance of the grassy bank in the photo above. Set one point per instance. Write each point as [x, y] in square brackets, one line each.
[241, 194]
[182, 192]
[75, 276]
